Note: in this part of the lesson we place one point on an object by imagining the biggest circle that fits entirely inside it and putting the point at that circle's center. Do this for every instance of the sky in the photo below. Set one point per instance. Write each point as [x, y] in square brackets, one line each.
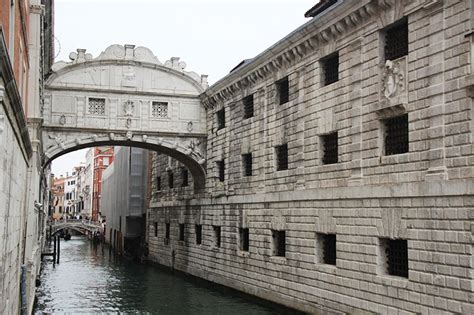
[210, 36]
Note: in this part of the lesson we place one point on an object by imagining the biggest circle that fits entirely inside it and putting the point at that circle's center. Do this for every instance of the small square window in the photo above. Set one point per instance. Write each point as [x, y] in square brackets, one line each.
[330, 67]
[170, 179]
[327, 248]
[279, 243]
[221, 170]
[396, 40]
[220, 119]
[248, 106]
[396, 135]
[155, 228]
[217, 235]
[184, 177]
[159, 109]
[247, 164]
[158, 183]
[282, 157]
[283, 90]
[330, 148]
[198, 228]
[181, 232]
[396, 256]
[97, 106]
[244, 239]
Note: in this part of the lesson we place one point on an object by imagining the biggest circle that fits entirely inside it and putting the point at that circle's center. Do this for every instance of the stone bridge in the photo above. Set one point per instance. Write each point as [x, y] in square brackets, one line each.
[82, 226]
[126, 97]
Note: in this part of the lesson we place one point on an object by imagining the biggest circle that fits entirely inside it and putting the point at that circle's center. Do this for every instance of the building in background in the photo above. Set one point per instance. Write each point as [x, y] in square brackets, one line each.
[80, 187]
[57, 191]
[103, 157]
[26, 46]
[88, 183]
[123, 201]
[70, 193]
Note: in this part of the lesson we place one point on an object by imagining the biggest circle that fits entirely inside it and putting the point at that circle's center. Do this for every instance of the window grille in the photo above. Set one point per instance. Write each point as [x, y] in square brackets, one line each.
[158, 183]
[330, 65]
[283, 87]
[155, 228]
[396, 135]
[279, 243]
[96, 106]
[329, 249]
[159, 109]
[282, 157]
[248, 106]
[220, 119]
[221, 169]
[181, 232]
[217, 235]
[244, 239]
[247, 163]
[185, 177]
[330, 149]
[167, 230]
[170, 179]
[396, 40]
[198, 234]
[397, 257]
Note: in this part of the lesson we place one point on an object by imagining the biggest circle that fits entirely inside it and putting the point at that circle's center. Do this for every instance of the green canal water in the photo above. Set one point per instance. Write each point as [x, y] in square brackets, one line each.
[90, 280]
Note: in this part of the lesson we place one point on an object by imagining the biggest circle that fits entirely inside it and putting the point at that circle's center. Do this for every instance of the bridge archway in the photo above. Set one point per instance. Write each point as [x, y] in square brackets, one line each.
[126, 97]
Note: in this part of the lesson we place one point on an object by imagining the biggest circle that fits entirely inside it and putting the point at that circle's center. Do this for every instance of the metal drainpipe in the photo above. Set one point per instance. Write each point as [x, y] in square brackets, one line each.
[24, 306]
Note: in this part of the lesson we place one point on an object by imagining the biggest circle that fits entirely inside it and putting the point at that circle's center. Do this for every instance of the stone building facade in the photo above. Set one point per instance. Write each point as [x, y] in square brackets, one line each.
[25, 26]
[339, 166]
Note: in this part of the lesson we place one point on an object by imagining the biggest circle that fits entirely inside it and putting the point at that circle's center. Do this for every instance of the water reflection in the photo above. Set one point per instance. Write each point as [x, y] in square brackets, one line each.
[90, 280]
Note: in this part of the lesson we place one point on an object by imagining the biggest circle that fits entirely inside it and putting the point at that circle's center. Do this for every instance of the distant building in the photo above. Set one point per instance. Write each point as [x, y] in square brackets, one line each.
[80, 184]
[88, 183]
[123, 201]
[103, 157]
[70, 194]
[57, 191]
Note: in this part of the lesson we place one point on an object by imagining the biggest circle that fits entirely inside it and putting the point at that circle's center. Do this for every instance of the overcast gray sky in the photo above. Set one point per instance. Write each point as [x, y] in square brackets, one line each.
[211, 36]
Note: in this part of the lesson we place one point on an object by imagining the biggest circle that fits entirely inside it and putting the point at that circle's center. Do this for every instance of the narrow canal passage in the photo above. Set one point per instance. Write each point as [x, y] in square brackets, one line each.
[90, 280]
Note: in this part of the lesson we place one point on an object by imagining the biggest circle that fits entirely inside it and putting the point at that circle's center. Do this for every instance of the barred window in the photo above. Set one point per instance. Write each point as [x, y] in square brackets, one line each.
[167, 230]
[184, 177]
[330, 148]
[283, 90]
[170, 179]
[221, 170]
[96, 106]
[327, 245]
[217, 235]
[244, 239]
[181, 232]
[396, 252]
[158, 183]
[248, 106]
[396, 135]
[282, 157]
[279, 243]
[396, 40]
[220, 119]
[159, 109]
[247, 164]
[155, 228]
[330, 67]
[198, 228]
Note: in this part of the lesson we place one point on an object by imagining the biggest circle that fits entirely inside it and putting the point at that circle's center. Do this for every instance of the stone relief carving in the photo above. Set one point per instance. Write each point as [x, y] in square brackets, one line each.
[62, 120]
[129, 135]
[128, 78]
[189, 127]
[128, 107]
[129, 122]
[392, 81]
[59, 141]
[193, 147]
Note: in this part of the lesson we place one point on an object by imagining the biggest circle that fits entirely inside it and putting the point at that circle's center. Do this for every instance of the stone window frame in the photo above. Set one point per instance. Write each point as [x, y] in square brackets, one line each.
[278, 237]
[285, 80]
[220, 170]
[220, 119]
[383, 37]
[155, 228]
[167, 237]
[383, 133]
[170, 179]
[106, 103]
[279, 166]
[326, 251]
[217, 233]
[248, 102]
[322, 148]
[386, 246]
[247, 170]
[184, 177]
[182, 232]
[167, 110]
[244, 239]
[324, 64]
[198, 233]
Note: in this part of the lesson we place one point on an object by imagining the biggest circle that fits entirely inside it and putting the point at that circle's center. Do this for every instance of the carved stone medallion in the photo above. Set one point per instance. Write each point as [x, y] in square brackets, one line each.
[392, 82]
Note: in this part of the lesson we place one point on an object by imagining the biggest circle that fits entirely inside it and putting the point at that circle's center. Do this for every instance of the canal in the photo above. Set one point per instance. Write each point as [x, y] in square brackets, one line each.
[91, 280]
